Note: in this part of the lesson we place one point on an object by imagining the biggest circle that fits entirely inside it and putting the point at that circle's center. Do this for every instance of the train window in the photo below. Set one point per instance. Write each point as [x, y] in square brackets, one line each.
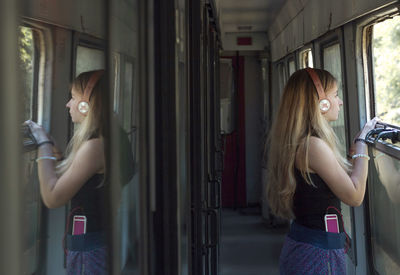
[282, 77]
[227, 90]
[266, 91]
[116, 81]
[386, 70]
[27, 62]
[306, 59]
[124, 48]
[127, 96]
[384, 207]
[384, 176]
[292, 67]
[28, 65]
[88, 59]
[332, 63]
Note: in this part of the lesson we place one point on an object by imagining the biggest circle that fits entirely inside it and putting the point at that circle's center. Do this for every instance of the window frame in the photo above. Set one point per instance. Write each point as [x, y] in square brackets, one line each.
[365, 83]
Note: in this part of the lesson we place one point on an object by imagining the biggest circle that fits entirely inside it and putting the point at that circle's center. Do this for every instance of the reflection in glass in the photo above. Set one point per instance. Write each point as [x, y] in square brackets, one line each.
[389, 175]
[124, 53]
[127, 96]
[384, 193]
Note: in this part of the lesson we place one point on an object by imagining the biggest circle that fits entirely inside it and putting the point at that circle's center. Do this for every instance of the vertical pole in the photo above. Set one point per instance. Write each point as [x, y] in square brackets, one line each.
[11, 240]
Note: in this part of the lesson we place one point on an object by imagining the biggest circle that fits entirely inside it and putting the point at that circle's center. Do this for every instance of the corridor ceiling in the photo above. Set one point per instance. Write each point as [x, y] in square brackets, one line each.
[237, 16]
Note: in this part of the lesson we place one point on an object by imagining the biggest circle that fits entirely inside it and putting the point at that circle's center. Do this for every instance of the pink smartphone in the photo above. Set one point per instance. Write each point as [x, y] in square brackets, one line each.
[331, 223]
[79, 225]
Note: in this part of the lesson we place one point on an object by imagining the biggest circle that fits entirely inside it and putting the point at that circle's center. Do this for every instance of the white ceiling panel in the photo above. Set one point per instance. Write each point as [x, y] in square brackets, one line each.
[257, 14]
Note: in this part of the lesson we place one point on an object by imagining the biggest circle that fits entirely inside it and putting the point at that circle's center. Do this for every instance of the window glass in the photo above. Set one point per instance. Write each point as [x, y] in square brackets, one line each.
[292, 67]
[26, 66]
[32, 203]
[116, 80]
[306, 59]
[89, 59]
[282, 77]
[386, 56]
[227, 91]
[123, 46]
[384, 204]
[128, 94]
[332, 63]
[265, 90]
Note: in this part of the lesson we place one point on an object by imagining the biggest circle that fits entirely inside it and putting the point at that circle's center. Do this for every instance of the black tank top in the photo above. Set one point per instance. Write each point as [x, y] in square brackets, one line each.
[89, 201]
[310, 203]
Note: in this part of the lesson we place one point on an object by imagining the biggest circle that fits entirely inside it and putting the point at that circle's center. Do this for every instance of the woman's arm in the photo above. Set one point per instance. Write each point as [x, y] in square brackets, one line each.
[88, 161]
[349, 189]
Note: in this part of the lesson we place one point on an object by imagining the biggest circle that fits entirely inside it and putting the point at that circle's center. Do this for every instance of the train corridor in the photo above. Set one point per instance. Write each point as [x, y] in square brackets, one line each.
[249, 246]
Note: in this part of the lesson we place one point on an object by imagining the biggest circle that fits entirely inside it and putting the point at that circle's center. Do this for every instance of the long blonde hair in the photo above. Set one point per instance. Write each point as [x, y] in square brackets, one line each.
[298, 118]
[92, 124]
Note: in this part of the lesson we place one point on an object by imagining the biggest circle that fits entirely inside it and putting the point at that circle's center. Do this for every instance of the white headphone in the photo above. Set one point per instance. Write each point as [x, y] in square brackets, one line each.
[83, 105]
[324, 103]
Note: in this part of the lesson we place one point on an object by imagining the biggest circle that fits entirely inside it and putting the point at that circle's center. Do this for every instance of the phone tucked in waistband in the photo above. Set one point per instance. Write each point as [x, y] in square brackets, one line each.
[79, 225]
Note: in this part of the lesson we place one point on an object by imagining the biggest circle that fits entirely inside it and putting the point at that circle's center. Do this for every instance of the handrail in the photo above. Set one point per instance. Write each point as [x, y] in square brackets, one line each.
[378, 139]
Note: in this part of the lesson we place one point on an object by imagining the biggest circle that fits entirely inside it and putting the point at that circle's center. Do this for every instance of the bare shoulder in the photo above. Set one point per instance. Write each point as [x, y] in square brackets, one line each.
[318, 146]
[318, 152]
[94, 144]
[92, 148]
[321, 156]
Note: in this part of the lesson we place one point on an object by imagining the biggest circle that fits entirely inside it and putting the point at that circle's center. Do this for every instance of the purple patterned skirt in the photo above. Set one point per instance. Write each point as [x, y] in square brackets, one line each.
[87, 254]
[309, 251]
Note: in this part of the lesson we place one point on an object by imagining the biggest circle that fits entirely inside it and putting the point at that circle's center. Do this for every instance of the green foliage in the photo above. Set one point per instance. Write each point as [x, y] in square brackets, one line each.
[26, 50]
[386, 54]
[26, 67]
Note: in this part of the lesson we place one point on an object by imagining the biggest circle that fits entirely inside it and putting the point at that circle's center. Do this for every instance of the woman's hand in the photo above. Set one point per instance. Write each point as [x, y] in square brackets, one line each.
[37, 131]
[370, 125]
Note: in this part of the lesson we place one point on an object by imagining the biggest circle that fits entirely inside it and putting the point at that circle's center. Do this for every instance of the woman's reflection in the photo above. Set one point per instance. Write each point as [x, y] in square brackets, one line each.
[389, 175]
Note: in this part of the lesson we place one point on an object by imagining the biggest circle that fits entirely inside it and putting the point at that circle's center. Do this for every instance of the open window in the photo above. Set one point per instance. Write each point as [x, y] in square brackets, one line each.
[28, 62]
[381, 52]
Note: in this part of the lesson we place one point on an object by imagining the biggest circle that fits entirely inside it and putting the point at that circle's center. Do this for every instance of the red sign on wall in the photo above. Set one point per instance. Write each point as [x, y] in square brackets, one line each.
[244, 41]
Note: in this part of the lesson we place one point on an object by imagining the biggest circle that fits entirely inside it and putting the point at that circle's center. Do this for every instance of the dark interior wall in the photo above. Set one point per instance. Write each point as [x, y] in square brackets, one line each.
[254, 127]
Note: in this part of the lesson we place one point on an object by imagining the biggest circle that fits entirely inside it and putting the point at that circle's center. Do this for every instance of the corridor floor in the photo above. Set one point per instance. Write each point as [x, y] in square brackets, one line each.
[248, 245]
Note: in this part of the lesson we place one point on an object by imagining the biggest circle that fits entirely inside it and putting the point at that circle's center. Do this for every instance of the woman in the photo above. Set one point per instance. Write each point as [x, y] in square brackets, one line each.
[79, 177]
[307, 177]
